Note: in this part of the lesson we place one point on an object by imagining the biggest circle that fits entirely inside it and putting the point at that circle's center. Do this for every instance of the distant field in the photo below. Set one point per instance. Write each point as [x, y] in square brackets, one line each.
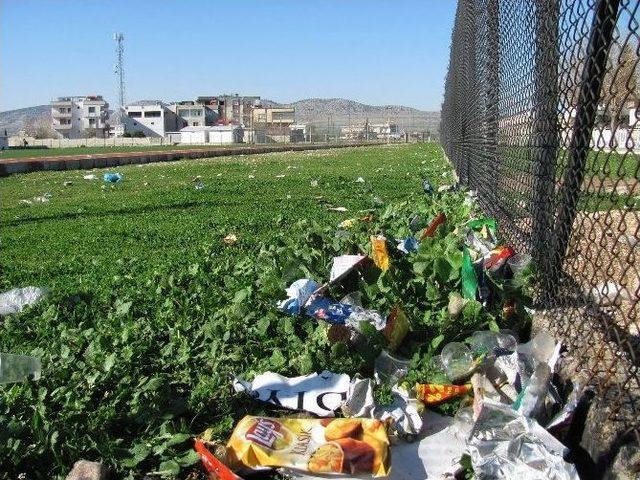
[51, 152]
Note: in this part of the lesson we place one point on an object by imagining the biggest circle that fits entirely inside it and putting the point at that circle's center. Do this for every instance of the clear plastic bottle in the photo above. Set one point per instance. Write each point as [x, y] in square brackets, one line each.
[18, 368]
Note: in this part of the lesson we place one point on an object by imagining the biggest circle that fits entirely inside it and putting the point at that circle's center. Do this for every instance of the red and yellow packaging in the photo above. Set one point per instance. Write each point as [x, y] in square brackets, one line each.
[432, 394]
[380, 254]
[332, 445]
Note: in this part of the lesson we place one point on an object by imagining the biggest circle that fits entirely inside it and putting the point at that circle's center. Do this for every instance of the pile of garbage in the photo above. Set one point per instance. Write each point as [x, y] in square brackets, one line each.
[506, 414]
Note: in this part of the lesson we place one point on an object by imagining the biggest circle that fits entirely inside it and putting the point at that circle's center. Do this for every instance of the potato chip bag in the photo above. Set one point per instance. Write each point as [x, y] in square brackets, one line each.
[332, 445]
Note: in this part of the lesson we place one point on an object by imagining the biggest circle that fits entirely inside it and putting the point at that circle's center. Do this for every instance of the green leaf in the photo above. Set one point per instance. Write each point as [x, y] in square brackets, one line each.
[170, 467]
[191, 457]
[443, 270]
[435, 343]
[178, 438]
[122, 308]
[420, 267]
[109, 362]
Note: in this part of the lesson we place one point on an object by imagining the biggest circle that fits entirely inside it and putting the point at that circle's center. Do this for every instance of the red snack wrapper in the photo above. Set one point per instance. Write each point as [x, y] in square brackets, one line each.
[212, 465]
[433, 226]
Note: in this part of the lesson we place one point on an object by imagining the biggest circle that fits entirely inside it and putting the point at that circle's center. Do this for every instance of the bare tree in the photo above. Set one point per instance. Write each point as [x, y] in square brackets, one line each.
[39, 128]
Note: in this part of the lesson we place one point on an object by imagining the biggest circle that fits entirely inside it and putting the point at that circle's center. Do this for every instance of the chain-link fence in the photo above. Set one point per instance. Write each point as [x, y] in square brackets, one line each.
[540, 117]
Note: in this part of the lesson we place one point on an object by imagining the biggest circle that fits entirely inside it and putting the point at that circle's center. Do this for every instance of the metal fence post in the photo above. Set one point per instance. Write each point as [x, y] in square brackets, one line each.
[545, 133]
[602, 28]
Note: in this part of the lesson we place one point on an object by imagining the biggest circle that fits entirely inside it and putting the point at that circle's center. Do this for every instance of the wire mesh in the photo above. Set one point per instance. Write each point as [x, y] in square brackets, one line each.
[540, 116]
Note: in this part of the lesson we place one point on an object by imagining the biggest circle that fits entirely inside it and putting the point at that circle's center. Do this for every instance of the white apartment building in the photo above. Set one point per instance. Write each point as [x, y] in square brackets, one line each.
[80, 116]
[151, 117]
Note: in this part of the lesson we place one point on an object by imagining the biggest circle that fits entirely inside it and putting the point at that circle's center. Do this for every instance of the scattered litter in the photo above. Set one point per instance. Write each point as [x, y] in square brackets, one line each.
[26, 202]
[340, 445]
[433, 394]
[456, 304]
[314, 183]
[319, 393]
[433, 226]
[403, 414]
[457, 360]
[288, 197]
[67, 183]
[298, 294]
[359, 180]
[218, 175]
[112, 177]
[199, 185]
[505, 444]
[337, 209]
[343, 265]
[252, 176]
[19, 368]
[408, 245]
[609, 293]
[280, 176]
[14, 300]
[379, 252]
[146, 184]
[390, 369]
[230, 239]
[426, 186]
[44, 198]
[396, 328]
[89, 176]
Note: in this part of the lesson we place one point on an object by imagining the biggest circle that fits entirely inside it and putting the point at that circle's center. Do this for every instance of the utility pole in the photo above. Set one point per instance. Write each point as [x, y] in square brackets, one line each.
[119, 69]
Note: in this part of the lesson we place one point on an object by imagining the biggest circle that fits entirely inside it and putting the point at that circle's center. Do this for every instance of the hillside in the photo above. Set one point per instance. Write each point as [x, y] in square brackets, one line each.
[315, 111]
[339, 111]
[14, 120]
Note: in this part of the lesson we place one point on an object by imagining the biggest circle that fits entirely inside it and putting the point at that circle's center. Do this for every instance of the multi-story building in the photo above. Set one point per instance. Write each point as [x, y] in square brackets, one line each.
[196, 114]
[80, 116]
[232, 108]
[273, 118]
[151, 117]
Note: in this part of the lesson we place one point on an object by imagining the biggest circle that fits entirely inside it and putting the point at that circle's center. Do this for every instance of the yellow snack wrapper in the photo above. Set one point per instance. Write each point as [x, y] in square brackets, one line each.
[331, 445]
[380, 254]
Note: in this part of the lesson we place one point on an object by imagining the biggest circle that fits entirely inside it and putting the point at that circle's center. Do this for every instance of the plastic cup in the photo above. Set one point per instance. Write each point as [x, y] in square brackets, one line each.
[390, 369]
[457, 359]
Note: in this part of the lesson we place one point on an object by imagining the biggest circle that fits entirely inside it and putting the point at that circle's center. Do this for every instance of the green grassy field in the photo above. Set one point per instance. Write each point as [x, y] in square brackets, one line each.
[150, 312]
[156, 218]
[51, 152]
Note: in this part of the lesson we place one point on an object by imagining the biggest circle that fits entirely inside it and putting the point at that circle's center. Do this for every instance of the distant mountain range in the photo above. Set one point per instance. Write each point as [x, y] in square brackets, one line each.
[340, 111]
[316, 111]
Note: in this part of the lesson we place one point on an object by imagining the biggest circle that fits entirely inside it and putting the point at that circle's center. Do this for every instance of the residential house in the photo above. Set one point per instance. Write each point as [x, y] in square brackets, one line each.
[151, 117]
[80, 116]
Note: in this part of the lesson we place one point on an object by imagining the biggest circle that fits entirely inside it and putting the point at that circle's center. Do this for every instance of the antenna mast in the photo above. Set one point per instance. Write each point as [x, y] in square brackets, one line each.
[119, 70]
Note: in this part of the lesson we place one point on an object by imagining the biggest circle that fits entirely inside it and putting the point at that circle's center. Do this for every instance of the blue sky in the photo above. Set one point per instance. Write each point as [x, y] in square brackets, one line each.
[375, 51]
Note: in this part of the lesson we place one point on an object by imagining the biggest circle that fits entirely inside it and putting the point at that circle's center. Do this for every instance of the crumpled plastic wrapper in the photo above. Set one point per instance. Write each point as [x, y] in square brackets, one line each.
[14, 300]
[404, 413]
[298, 294]
[505, 444]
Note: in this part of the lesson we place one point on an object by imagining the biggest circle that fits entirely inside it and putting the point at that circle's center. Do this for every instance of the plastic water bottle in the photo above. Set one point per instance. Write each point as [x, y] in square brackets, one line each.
[18, 368]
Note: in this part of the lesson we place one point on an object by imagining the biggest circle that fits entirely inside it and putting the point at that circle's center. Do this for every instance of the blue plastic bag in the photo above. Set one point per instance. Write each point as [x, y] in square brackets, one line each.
[112, 177]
